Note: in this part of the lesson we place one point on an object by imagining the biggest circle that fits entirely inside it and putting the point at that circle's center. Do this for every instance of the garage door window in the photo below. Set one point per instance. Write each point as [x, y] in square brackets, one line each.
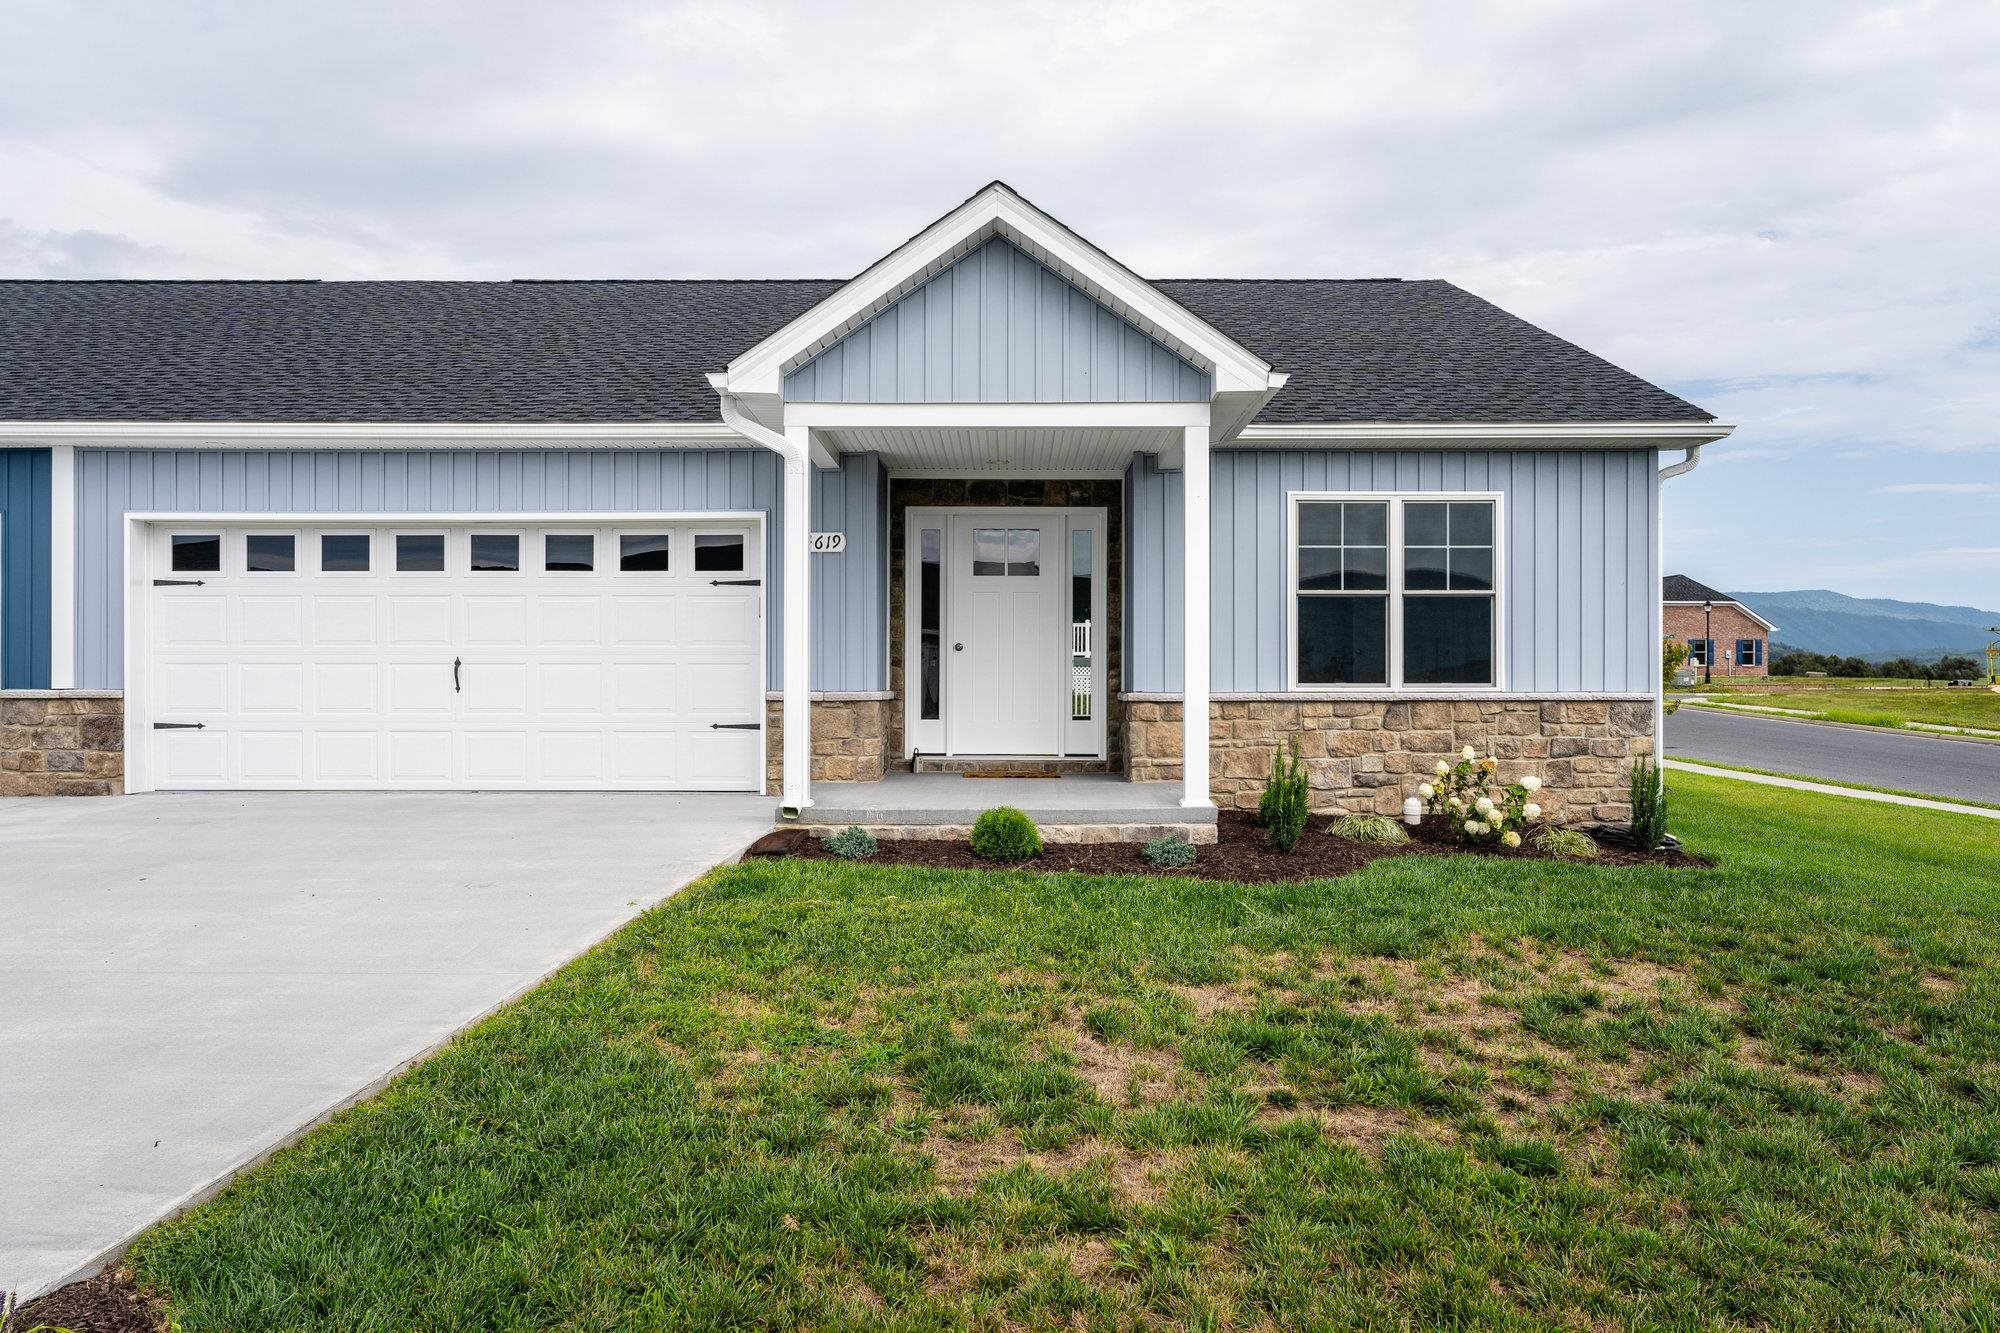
[270, 553]
[643, 552]
[496, 552]
[718, 552]
[569, 552]
[420, 553]
[197, 553]
[343, 553]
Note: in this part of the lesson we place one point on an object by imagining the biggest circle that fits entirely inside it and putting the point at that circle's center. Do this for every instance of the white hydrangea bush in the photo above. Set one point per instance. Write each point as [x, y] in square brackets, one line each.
[1467, 796]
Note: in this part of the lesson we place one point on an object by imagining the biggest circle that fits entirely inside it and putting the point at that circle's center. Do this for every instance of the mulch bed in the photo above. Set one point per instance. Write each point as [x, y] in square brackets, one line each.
[107, 1303]
[1240, 854]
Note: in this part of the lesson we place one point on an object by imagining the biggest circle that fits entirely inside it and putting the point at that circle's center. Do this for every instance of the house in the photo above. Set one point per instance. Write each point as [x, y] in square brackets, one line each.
[996, 499]
[1723, 636]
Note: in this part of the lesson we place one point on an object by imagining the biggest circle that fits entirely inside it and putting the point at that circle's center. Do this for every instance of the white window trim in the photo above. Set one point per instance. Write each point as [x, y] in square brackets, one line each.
[1395, 500]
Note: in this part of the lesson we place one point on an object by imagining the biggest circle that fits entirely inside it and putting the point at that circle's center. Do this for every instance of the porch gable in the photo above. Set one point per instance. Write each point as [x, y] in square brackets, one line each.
[997, 326]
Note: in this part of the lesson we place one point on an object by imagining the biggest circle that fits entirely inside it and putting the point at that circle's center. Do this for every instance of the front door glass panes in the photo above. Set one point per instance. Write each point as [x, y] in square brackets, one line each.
[344, 553]
[420, 553]
[643, 552]
[1000, 552]
[1342, 600]
[196, 552]
[718, 552]
[569, 552]
[270, 553]
[930, 621]
[1082, 641]
[495, 552]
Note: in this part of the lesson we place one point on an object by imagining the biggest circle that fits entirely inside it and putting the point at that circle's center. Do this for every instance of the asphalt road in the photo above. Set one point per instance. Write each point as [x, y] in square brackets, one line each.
[1965, 770]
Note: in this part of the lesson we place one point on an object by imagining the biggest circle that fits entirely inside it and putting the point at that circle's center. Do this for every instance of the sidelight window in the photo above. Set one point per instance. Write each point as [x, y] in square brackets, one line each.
[1394, 591]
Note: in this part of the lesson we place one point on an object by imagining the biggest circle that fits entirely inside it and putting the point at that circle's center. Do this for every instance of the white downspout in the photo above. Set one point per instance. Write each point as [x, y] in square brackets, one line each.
[1688, 463]
[793, 447]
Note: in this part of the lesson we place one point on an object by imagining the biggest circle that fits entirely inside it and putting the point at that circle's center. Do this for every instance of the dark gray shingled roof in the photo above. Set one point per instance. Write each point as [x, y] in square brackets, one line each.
[1681, 588]
[1357, 351]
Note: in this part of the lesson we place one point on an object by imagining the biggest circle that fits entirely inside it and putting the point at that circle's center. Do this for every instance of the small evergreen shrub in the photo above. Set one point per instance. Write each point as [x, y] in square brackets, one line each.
[1369, 828]
[1169, 853]
[1648, 795]
[852, 843]
[1567, 843]
[1284, 804]
[1005, 834]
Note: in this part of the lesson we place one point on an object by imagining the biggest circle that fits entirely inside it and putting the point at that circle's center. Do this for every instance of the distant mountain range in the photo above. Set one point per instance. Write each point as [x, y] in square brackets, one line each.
[1872, 627]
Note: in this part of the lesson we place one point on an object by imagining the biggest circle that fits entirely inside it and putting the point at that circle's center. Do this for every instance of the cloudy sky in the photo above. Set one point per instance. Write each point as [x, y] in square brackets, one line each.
[1789, 213]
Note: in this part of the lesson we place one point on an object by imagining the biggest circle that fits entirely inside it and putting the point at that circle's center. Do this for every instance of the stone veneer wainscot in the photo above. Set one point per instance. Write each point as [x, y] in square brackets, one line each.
[62, 743]
[1368, 755]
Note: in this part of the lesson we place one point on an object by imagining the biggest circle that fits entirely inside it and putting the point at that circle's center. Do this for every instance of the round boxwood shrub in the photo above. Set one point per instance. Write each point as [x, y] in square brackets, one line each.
[1005, 834]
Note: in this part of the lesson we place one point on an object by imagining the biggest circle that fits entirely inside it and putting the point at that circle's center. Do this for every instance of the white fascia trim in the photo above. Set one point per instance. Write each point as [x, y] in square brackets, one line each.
[1053, 416]
[996, 210]
[372, 434]
[1572, 435]
[1768, 626]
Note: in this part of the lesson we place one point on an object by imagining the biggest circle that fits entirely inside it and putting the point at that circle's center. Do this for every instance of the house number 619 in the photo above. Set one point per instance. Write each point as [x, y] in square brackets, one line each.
[827, 543]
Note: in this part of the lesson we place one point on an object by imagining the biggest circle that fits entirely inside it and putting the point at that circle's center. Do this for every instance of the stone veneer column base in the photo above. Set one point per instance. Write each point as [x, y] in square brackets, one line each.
[850, 742]
[62, 743]
[1366, 757]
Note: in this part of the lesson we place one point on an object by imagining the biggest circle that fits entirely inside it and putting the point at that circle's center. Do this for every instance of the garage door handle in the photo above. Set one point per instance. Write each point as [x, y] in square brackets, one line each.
[733, 726]
[455, 665]
[179, 726]
[736, 583]
[176, 583]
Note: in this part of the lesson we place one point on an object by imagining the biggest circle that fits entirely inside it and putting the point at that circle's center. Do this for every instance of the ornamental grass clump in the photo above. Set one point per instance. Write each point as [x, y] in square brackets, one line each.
[1286, 800]
[1648, 796]
[1005, 834]
[852, 843]
[1369, 828]
[1567, 843]
[1169, 853]
[1467, 796]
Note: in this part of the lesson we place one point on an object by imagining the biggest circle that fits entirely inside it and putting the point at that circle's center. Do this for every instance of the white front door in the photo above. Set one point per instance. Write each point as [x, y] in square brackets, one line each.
[421, 653]
[1004, 662]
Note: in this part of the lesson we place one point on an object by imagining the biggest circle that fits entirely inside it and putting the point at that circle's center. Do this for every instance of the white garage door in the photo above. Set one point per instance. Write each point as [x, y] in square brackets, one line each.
[590, 656]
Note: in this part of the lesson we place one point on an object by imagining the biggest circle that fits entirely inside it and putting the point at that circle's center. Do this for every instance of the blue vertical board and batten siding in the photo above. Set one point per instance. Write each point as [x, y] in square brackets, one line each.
[998, 326]
[114, 482]
[1580, 577]
[850, 607]
[24, 569]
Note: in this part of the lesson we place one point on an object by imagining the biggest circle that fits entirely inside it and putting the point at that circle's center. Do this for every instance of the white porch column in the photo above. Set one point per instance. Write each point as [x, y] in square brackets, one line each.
[1194, 618]
[797, 635]
[62, 566]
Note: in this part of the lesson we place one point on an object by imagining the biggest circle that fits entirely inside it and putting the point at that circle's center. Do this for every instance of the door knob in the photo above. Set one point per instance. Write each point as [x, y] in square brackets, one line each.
[958, 647]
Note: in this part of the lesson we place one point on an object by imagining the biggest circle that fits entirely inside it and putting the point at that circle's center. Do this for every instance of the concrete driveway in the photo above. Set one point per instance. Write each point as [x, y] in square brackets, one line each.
[187, 981]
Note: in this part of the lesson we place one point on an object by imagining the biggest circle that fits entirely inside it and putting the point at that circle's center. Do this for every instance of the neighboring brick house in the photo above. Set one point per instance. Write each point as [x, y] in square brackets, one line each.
[1730, 635]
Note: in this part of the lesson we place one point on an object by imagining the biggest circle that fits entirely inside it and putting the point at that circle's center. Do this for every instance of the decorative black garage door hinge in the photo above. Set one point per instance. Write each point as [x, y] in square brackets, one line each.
[179, 726]
[736, 583]
[734, 726]
[176, 583]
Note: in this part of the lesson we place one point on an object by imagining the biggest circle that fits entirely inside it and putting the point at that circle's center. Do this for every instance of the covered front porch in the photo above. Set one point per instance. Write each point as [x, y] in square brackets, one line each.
[1069, 807]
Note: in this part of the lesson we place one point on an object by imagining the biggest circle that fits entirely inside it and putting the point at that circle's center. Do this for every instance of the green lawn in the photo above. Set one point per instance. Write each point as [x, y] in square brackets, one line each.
[1441, 1092]
[1878, 706]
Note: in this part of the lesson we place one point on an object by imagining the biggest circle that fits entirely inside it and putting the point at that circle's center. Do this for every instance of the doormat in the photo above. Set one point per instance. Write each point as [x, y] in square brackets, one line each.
[1011, 773]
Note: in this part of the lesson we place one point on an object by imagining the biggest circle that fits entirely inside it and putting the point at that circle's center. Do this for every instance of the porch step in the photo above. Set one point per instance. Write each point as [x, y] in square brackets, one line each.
[1004, 766]
[1073, 807]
